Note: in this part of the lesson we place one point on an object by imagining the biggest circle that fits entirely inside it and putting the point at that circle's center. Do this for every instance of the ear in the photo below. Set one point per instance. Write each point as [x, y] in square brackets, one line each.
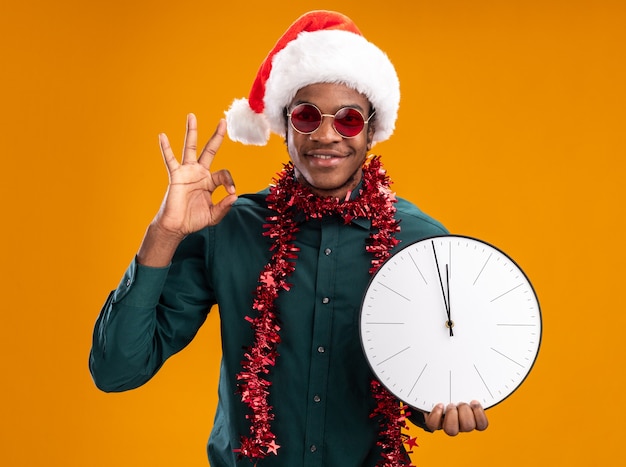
[286, 120]
[370, 135]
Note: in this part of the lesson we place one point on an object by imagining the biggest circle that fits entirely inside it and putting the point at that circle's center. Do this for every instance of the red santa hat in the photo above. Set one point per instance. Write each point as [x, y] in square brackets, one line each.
[319, 47]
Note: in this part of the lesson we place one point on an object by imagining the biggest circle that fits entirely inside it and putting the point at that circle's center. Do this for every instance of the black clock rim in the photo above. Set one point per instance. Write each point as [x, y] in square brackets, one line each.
[426, 239]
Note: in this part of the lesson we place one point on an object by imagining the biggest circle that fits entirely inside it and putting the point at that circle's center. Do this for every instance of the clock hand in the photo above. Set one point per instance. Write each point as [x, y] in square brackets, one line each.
[450, 323]
[443, 292]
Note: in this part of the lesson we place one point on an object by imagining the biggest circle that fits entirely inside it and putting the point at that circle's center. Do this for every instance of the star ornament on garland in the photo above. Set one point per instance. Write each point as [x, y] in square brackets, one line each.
[411, 442]
[272, 447]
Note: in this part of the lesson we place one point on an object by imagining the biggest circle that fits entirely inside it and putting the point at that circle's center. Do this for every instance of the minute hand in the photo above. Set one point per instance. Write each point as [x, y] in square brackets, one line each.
[443, 291]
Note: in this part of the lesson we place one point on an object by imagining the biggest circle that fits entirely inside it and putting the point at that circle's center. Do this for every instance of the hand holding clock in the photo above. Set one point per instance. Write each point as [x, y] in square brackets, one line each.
[459, 418]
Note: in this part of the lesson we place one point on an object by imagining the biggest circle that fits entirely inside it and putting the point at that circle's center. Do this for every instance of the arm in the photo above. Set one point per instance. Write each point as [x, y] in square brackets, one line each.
[147, 318]
[150, 316]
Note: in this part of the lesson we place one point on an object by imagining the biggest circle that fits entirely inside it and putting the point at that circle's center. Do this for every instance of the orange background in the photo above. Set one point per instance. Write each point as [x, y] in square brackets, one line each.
[512, 129]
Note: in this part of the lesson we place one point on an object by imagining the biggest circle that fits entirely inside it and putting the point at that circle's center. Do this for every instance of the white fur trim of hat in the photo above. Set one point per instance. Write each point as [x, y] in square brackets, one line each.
[320, 47]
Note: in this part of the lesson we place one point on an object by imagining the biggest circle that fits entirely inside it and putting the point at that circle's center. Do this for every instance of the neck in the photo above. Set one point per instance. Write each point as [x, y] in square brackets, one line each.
[338, 192]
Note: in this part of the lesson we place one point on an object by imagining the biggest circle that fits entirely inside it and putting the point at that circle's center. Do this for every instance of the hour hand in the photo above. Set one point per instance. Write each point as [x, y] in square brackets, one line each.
[449, 323]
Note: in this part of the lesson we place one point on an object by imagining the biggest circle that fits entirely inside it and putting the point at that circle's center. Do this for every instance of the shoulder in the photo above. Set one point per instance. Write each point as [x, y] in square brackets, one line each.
[415, 223]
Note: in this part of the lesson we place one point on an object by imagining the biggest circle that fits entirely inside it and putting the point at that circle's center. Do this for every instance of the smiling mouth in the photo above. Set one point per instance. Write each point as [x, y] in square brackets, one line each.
[326, 156]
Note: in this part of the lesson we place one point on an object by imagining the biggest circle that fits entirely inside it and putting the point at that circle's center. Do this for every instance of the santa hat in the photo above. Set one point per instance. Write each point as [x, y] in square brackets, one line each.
[319, 47]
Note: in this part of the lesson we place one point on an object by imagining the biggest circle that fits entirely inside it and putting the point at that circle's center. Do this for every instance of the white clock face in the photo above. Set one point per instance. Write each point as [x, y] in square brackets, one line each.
[450, 319]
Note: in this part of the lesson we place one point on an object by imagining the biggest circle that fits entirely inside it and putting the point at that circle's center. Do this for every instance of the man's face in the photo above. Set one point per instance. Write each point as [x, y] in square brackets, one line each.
[325, 161]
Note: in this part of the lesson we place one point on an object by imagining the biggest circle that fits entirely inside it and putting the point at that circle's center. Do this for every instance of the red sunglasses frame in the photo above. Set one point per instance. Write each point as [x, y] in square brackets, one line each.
[364, 121]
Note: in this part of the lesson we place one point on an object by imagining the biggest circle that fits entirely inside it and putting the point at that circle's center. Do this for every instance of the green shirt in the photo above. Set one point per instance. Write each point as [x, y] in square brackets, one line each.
[320, 384]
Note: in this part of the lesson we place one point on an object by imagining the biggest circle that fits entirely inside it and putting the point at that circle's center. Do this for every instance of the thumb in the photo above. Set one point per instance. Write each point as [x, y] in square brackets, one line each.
[220, 209]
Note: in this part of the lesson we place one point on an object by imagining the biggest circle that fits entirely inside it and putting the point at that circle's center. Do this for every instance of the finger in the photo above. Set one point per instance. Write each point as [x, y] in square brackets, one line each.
[214, 143]
[451, 420]
[434, 419]
[225, 179]
[479, 415]
[167, 153]
[190, 147]
[221, 208]
[467, 422]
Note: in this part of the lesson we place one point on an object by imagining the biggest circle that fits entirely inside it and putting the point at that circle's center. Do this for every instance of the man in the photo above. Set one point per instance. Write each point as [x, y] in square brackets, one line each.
[287, 266]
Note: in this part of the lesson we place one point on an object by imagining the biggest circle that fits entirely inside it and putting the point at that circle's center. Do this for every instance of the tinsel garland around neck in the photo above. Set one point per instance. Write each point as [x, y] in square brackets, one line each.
[286, 198]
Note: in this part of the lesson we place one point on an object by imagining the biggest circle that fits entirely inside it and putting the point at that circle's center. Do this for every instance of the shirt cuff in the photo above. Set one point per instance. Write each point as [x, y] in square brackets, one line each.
[141, 286]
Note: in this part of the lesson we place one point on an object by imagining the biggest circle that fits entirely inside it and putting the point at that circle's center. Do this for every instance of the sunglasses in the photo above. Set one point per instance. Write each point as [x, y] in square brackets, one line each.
[347, 121]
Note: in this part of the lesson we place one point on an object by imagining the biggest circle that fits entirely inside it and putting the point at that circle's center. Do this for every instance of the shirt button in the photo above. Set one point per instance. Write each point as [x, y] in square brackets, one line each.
[321, 349]
[316, 398]
[128, 283]
[313, 448]
[325, 300]
[328, 251]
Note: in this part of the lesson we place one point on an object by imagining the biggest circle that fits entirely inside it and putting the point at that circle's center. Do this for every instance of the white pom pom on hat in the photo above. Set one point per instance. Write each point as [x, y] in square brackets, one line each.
[319, 47]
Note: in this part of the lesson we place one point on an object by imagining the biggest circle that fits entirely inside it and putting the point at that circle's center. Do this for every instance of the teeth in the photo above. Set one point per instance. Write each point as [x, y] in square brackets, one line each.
[322, 157]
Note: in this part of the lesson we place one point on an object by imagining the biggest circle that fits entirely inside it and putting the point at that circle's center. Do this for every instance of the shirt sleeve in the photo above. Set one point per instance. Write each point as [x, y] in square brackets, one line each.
[151, 315]
[417, 417]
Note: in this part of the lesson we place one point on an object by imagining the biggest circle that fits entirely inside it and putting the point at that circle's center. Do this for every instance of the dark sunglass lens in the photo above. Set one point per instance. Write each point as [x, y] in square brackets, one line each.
[349, 122]
[306, 118]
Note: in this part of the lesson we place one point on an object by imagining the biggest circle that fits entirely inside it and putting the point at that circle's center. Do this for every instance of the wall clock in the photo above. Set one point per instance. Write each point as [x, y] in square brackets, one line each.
[450, 319]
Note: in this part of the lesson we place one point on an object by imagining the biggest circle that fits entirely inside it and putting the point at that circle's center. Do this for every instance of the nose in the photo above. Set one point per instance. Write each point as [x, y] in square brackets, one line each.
[326, 131]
